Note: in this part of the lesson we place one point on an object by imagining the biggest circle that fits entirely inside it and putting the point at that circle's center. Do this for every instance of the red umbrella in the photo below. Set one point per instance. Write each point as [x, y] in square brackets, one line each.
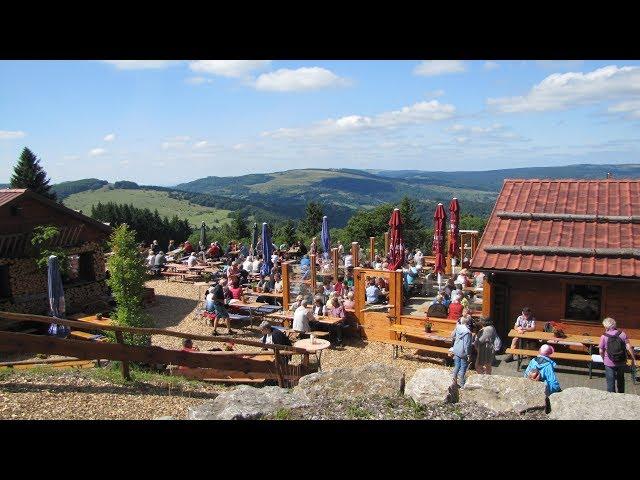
[439, 220]
[396, 249]
[454, 214]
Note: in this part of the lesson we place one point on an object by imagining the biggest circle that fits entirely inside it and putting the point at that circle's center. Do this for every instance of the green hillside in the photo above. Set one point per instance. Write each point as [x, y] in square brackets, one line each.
[150, 199]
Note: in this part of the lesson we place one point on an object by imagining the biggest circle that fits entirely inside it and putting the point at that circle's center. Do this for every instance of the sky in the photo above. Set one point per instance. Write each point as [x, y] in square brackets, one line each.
[165, 122]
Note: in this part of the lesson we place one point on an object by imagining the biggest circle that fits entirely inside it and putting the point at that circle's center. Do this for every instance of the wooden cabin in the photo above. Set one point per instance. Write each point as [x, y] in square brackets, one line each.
[569, 249]
[23, 287]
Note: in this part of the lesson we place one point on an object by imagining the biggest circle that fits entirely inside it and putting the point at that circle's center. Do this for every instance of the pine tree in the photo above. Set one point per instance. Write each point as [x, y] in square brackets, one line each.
[29, 174]
[311, 224]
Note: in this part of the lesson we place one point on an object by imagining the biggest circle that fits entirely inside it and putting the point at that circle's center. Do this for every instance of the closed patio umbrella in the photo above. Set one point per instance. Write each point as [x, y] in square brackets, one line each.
[454, 242]
[325, 238]
[439, 220]
[56, 297]
[396, 249]
[254, 239]
[203, 235]
[267, 250]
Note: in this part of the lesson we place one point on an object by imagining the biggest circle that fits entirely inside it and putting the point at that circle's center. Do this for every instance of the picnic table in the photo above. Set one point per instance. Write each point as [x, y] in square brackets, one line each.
[316, 347]
[332, 323]
[258, 309]
[587, 341]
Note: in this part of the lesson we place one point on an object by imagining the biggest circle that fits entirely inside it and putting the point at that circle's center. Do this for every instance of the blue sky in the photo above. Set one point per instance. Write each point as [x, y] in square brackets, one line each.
[164, 122]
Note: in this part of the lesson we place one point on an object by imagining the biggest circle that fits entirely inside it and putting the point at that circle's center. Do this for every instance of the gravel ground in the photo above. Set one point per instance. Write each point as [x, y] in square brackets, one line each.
[73, 395]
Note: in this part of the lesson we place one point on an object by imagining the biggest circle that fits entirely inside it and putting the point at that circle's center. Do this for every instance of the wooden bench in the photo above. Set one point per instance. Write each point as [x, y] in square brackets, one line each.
[78, 335]
[397, 344]
[571, 357]
[168, 275]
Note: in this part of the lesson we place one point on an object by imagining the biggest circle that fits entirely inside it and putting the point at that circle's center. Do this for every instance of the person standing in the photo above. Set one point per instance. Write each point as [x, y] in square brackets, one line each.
[487, 343]
[614, 346]
[219, 304]
[461, 350]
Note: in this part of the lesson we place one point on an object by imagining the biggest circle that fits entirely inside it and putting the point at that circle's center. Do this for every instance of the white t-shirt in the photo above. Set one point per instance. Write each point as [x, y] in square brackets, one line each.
[278, 287]
[301, 319]
[247, 265]
[269, 339]
[151, 260]
[192, 261]
[462, 280]
[418, 258]
[274, 258]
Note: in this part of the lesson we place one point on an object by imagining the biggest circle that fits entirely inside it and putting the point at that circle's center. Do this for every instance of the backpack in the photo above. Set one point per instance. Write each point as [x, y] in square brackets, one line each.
[616, 348]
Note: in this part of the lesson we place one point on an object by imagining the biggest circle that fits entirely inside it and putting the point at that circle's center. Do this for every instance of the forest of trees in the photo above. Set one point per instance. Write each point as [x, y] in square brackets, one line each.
[148, 225]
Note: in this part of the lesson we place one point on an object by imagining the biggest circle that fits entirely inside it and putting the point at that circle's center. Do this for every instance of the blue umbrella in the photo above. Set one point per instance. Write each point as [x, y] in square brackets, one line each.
[56, 297]
[325, 238]
[267, 250]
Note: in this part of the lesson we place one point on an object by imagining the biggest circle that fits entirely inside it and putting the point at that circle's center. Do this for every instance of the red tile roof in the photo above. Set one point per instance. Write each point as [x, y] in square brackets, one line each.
[9, 194]
[620, 198]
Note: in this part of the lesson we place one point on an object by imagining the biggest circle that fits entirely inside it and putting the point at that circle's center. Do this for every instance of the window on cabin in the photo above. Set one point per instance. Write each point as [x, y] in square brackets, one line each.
[5, 287]
[86, 271]
[583, 302]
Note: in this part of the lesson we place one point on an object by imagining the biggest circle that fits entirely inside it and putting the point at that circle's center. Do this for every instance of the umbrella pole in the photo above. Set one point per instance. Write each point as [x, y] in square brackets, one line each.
[372, 246]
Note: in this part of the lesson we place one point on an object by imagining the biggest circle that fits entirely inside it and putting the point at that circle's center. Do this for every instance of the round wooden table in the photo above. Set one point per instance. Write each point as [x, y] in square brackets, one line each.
[317, 347]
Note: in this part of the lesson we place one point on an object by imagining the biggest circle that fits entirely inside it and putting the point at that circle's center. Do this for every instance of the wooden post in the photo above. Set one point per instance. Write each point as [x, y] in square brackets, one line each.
[313, 274]
[355, 253]
[386, 243]
[474, 245]
[487, 297]
[372, 248]
[285, 285]
[125, 365]
[336, 259]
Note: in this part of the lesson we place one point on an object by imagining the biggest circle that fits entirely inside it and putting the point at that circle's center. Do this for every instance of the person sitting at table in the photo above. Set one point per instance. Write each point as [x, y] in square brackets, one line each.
[160, 263]
[319, 308]
[349, 281]
[171, 247]
[455, 309]
[410, 277]
[542, 368]
[348, 260]
[301, 318]
[349, 303]
[524, 323]
[243, 276]
[372, 292]
[272, 335]
[449, 287]
[335, 307]
[457, 293]
[297, 303]
[383, 285]
[155, 247]
[377, 263]
[277, 283]
[236, 290]
[233, 272]
[244, 250]
[192, 261]
[255, 265]
[151, 260]
[463, 278]
[187, 248]
[248, 263]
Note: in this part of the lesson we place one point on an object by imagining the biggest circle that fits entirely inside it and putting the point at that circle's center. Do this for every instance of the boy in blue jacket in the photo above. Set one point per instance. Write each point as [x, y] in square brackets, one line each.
[546, 368]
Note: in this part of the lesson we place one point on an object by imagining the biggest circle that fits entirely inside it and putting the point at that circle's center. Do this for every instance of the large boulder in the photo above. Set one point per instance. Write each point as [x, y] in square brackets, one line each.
[504, 394]
[244, 402]
[431, 385]
[582, 403]
[345, 384]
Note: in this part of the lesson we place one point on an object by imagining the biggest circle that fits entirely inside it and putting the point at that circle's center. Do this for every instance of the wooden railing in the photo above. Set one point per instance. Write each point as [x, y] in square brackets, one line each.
[13, 342]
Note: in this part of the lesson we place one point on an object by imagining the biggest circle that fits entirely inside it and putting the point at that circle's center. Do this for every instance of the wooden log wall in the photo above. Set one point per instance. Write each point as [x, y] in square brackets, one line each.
[374, 325]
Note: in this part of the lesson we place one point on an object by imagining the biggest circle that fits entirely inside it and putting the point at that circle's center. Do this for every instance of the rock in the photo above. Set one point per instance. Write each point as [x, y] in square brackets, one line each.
[345, 384]
[504, 394]
[582, 403]
[245, 402]
[165, 418]
[431, 385]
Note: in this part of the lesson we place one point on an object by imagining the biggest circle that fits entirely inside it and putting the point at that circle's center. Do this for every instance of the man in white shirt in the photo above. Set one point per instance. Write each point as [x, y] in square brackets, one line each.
[348, 260]
[151, 259]
[340, 249]
[301, 318]
[248, 264]
[192, 261]
[418, 258]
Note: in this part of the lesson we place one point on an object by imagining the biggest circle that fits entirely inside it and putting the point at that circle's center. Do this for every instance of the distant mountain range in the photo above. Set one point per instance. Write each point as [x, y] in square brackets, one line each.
[285, 194]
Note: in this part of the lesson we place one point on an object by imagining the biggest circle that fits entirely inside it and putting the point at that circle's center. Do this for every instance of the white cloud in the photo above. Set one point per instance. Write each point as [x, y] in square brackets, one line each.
[197, 80]
[96, 152]
[418, 113]
[239, 146]
[228, 68]
[124, 162]
[630, 108]
[301, 79]
[141, 64]
[11, 135]
[110, 138]
[561, 91]
[201, 144]
[168, 145]
[491, 65]
[430, 68]
[435, 93]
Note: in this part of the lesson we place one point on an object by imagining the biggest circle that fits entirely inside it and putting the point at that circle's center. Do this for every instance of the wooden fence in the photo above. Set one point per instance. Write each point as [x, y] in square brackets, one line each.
[225, 363]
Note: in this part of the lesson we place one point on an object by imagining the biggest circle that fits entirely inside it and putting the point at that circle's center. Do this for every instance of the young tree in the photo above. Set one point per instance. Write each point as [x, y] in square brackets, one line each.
[239, 227]
[311, 224]
[29, 174]
[127, 279]
[286, 232]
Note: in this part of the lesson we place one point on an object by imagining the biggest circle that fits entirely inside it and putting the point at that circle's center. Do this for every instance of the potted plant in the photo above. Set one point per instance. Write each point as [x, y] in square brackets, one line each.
[427, 327]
